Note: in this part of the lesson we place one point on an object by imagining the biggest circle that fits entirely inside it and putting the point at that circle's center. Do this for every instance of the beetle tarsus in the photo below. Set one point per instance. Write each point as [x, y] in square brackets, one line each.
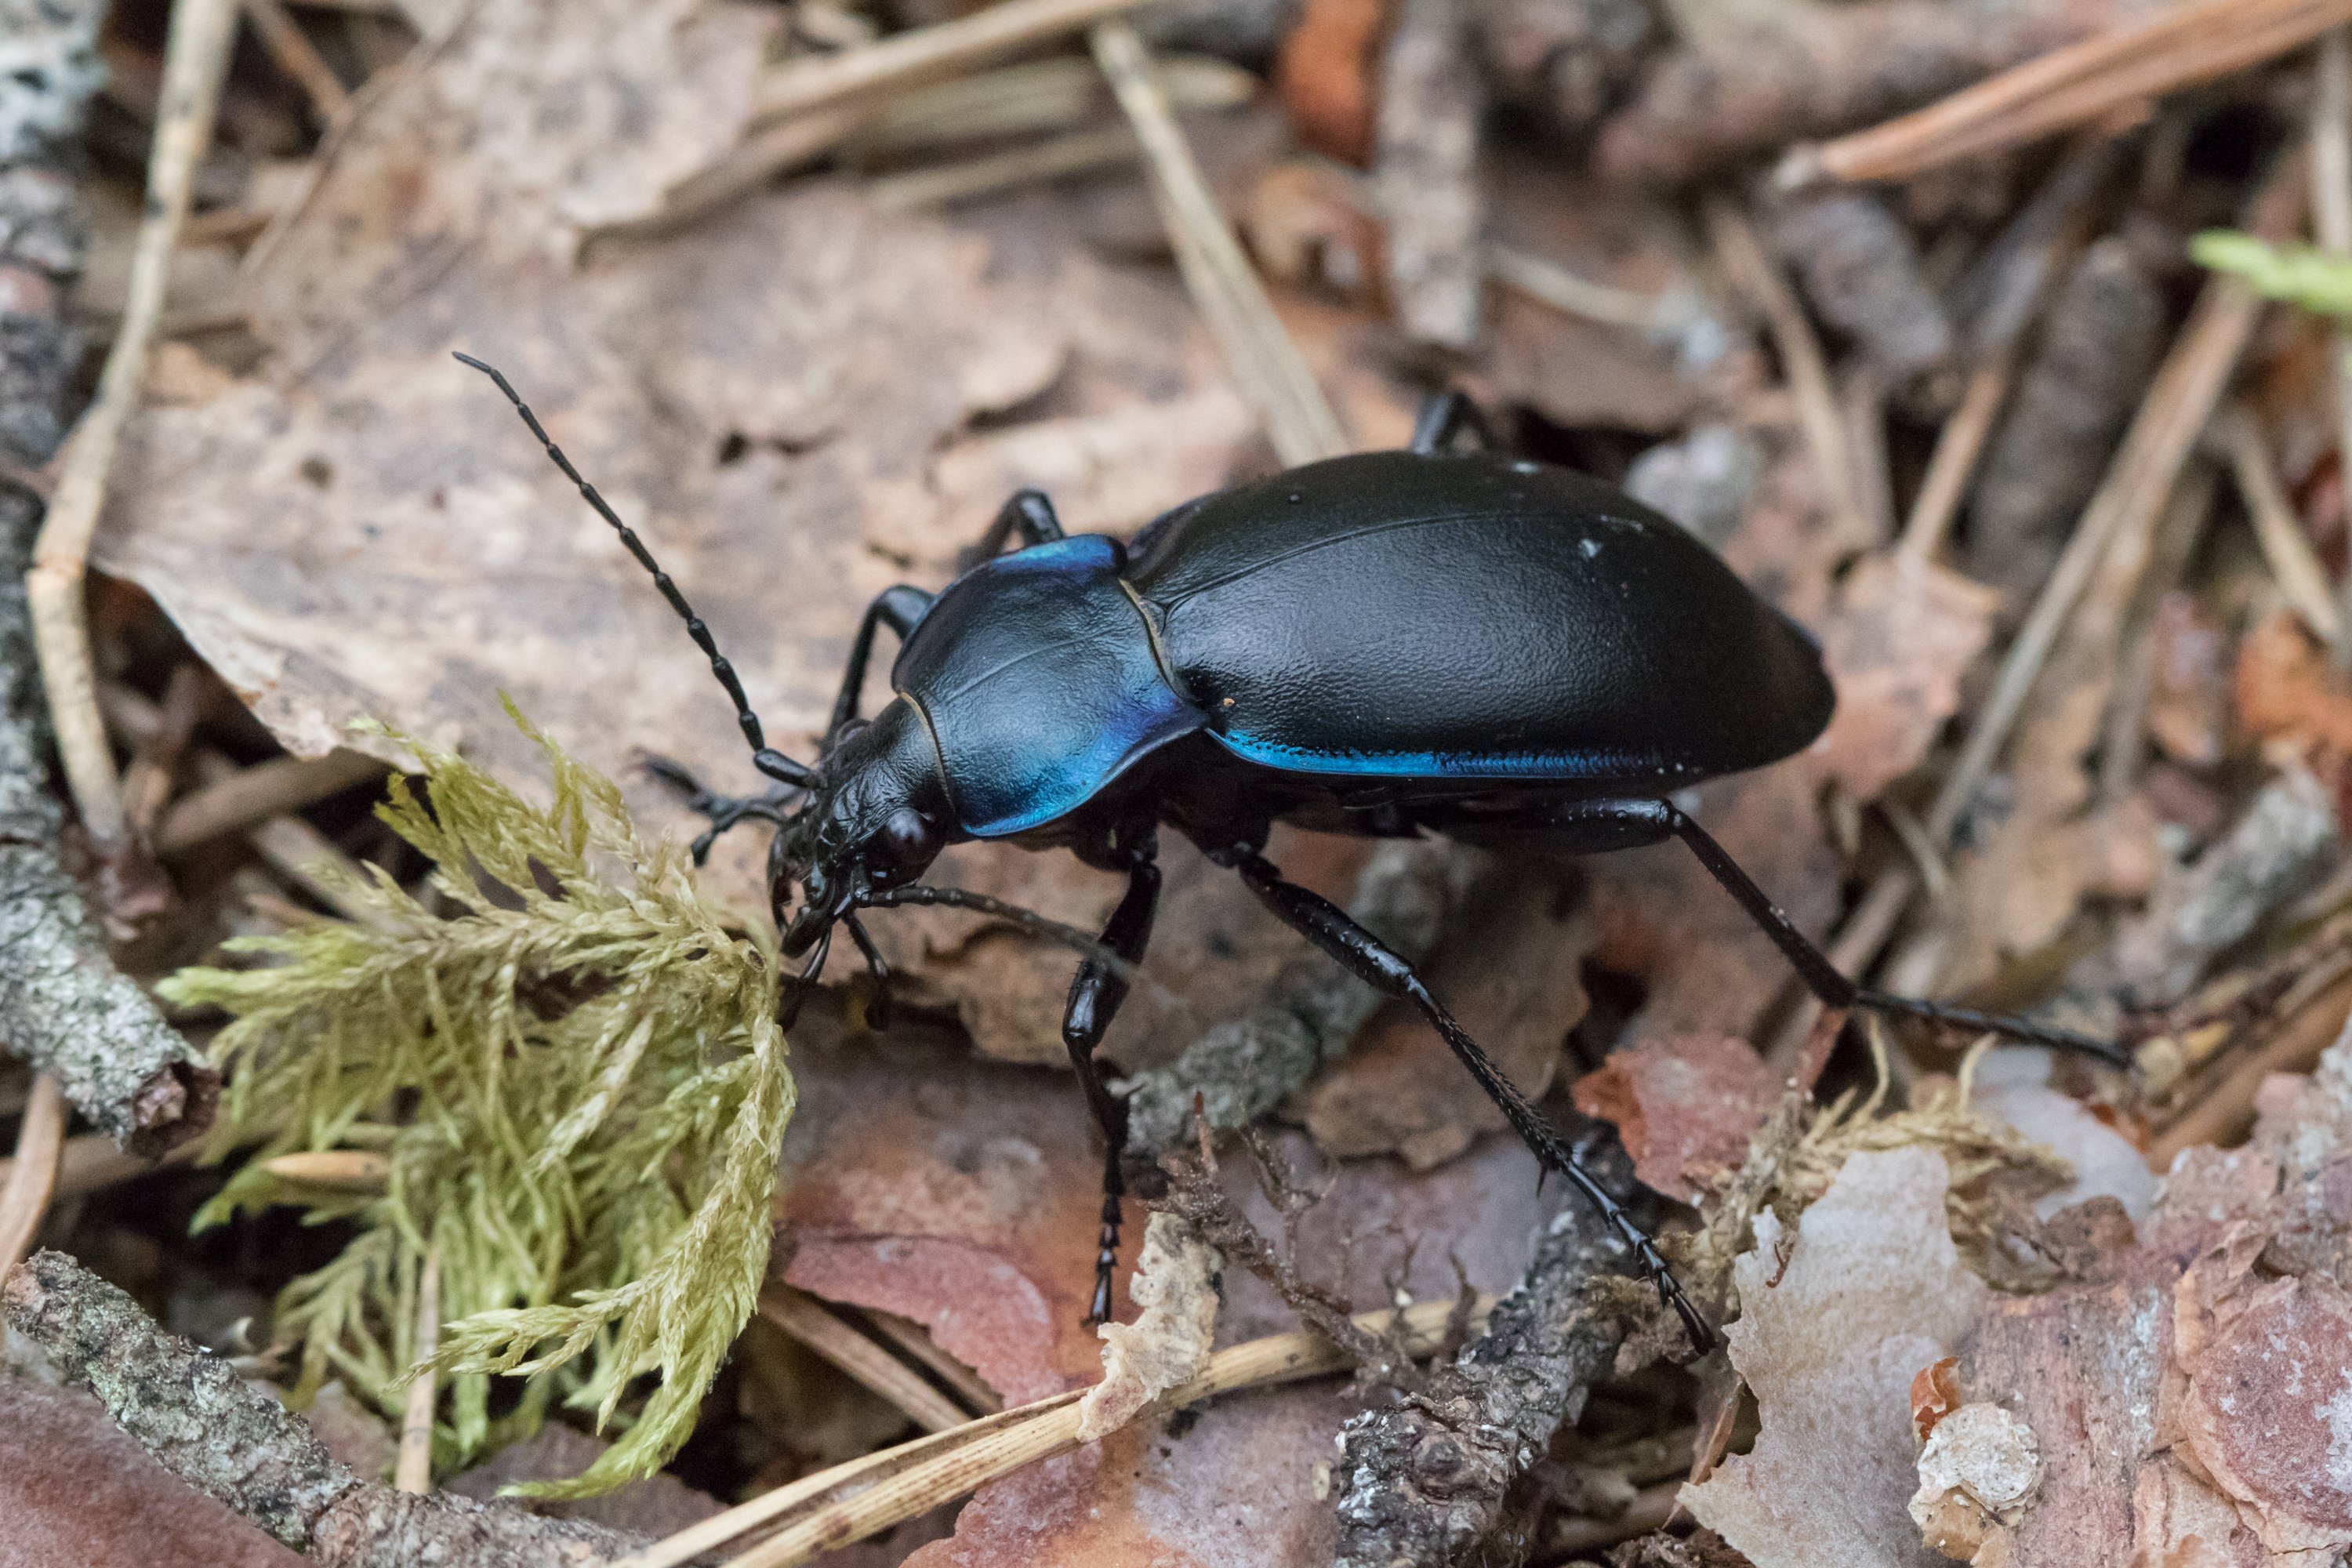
[1969, 1019]
[726, 812]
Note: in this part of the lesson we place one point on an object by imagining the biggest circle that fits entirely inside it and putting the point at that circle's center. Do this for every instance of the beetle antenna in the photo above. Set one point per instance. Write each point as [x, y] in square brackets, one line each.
[1027, 920]
[773, 764]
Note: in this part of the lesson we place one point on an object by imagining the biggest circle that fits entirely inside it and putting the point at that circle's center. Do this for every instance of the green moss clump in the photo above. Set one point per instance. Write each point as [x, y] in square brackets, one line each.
[578, 1084]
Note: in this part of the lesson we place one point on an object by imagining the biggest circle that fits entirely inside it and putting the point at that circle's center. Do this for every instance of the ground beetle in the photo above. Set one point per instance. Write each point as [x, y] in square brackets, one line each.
[1384, 644]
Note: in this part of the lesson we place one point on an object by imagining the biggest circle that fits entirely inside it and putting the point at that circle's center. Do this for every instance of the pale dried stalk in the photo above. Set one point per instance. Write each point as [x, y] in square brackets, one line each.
[89, 1162]
[32, 1175]
[291, 49]
[2286, 548]
[2179, 47]
[1549, 283]
[901, 1482]
[412, 1472]
[767, 152]
[2180, 404]
[247, 796]
[195, 60]
[1958, 446]
[2224, 1107]
[1751, 271]
[1076, 152]
[800, 86]
[807, 1319]
[1264, 363]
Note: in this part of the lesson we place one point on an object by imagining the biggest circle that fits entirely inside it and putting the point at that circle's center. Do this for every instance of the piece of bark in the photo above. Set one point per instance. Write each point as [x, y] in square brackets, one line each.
[1243, 1067]
[2088, 373]
[235, 1443]
[1751, 84]
[1861, 270]
[1426, 1481]
[1426, 135]
[63, 1005]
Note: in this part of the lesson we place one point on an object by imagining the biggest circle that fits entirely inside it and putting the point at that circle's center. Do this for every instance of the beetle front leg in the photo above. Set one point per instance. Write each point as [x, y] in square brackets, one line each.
[1028, 515]
[1371, 961]
[898, 608]
[1095, 998]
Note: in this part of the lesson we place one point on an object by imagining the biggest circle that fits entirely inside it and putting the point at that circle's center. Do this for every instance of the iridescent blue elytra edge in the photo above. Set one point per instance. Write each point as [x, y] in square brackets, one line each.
[1387, 643]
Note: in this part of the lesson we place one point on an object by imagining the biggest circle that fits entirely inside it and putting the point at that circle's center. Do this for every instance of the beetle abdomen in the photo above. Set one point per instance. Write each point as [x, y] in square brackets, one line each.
[1475, 617]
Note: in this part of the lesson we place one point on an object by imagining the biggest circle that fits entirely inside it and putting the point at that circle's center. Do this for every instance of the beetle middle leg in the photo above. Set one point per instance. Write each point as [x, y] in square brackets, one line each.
[1618, 824]
[1387, 972]
[1096, 995]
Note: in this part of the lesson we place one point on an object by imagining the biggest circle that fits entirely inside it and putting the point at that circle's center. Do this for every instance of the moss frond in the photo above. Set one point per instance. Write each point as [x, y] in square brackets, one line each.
[578, 1082]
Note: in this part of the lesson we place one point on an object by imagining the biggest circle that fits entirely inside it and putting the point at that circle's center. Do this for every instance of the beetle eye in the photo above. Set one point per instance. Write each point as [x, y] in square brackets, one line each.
[908, 840]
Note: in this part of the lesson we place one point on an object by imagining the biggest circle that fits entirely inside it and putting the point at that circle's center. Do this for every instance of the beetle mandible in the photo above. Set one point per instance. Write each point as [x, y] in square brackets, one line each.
[1383, 644]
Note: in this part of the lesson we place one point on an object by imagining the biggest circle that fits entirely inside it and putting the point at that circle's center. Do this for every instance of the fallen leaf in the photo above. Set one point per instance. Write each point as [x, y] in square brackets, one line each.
[1684, 1107]
[1325, 75]
[2286, 690]
[1510, 970]
[658, 1505]
[75, 1488]
[1872, 1291]
[1935, 1394]
[1904, 633]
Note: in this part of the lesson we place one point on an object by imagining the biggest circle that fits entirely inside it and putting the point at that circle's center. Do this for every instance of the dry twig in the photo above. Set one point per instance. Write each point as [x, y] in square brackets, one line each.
[32, 1172]
[807, 1319]
[851, 1501]
[2177, 47]
[804, 85]
[2286, 548]
[413, 1470]
[224, 1436]
[1264, 363]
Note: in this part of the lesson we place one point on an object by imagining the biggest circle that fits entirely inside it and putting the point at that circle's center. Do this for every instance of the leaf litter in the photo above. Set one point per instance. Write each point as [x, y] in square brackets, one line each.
[806, 395]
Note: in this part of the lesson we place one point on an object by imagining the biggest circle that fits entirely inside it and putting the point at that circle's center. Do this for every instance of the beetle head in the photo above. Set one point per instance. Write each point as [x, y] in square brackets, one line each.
[877, 821]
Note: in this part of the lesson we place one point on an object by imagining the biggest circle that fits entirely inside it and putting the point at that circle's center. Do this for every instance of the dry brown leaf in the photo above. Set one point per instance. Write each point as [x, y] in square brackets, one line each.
[1326, 76]
[1510, 970]
[2286, 690]
[656, 1506]
[1904, 633]
[75, 1488]
[1873, 1290]
[364, 529]
[1684, 1107]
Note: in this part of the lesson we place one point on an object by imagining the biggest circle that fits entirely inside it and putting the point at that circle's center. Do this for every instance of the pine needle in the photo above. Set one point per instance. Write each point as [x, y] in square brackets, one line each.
[569, 1062]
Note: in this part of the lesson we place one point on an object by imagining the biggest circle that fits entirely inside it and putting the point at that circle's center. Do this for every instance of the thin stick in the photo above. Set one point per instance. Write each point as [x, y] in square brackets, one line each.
[921, 53]
[1549, 283]
[2225, 1107]
[898, 1483]
[916, 1340]
[195, 59]
[89, 1162]
[1076, 152]
[1264, 363]
[1750, 271]
[241, 799]
[765, 153]
[2179, 403]
[806, 1320]
[2286, 549]
[1958, 446]
[413, 1470]
[33, 1173]
[360, 1170]
[2331, 221]
[291, 48]
[2181, 45]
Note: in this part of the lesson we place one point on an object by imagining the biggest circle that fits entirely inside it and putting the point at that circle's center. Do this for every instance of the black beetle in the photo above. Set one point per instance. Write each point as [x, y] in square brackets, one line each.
[1383, 644]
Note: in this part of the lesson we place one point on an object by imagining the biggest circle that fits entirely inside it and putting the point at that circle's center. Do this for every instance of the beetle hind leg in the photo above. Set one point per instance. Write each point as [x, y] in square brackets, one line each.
[1369, 959]
[1646, 821]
